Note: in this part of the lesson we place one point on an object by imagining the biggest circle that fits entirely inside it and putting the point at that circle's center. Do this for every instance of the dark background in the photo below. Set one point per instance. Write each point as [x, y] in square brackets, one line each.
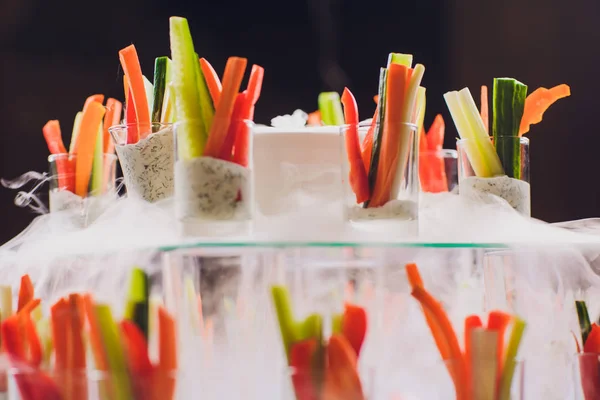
[53, 54]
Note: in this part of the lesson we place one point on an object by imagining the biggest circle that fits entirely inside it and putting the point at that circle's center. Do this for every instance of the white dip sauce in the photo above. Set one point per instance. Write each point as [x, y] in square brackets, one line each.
[516, 192]
[394, 209]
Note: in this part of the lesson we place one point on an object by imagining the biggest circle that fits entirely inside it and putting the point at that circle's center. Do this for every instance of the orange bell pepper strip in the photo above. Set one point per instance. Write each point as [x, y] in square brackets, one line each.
[232, 79]
[538, 102]
[241, 151]
[358, 174]
[26, 292]
[341, 379]
[485, 117]
[212, 80]
[131, 66]
[354, 326]
[91, 119]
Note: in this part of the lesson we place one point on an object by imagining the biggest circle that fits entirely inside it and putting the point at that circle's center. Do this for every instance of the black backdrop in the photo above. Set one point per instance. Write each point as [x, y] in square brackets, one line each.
[53, 54]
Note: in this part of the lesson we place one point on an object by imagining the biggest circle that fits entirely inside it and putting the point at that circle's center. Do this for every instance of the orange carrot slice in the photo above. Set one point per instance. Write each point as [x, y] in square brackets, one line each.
[342, 380]
[84, 147]
[314, 118]
[241, 153]
[232, 79]
[538, 102]
[111, 118]
[95, 98]
[484, 108]
[357, 174]
[131, 120]
[26, 292]
[131, 66]
[212, 80]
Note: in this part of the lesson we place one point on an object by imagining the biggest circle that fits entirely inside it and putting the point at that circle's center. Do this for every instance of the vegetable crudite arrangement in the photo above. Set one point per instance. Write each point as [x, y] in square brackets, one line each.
[485, 368]
[322, 369]
[82, 179]
[382, 170]
[145, 143]
[587, 367]
[213, 179]
[79, 350]
[438, 170]
[499, 166]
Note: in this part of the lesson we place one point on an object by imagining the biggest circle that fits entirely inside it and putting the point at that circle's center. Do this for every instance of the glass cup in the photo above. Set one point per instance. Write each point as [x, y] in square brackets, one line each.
[438, 170]
[586, 376]
[90, 202]
[394, 197]
[513, 187]
[214, 194]
[148, 163]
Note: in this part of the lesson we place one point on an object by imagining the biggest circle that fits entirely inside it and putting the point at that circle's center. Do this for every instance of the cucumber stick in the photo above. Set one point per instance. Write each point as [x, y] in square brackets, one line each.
[76, 125]
[584, 320]
[169, 114]
[191, 140]
[402, 59]
[161, 65]
[137, 306]
[508, 107]
[98, 164]
[330, 107]
[149, 87]
[377, 133]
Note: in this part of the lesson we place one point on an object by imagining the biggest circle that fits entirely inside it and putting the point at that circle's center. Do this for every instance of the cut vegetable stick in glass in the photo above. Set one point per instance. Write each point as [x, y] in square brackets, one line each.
[342, 380]
[98, 98]
[483, 360]
[435, 135]
[137, 306]
[420, 105]
[96, 187]
[53, 136]
[241, 151]
[207, 107]
[164, 380]
[499, 322]
[399, 58]
[472, 322]
[212, 80]
[354, 326]
[302, 359]
[114, 108]
[131, 67]
[367, 145]
[75, 132]
[314, 119]
[131, 120]
[26, 292]
[538, 102]
[168, 111]
[331, 109]
[77, 362]
[237, 115]
[592, 343]
[357, 173]
[485, 117]
[285, 317]
[187, 99]
[84, 149]
[232, 80]
[378, 132]
[161, 65]
[510, 355]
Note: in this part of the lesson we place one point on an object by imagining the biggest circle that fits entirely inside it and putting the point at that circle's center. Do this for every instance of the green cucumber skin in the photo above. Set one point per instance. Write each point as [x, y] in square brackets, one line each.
[207, 107]
[330, 107]
[378, 133]
[584, 320]
[160, 84]
[508, 106]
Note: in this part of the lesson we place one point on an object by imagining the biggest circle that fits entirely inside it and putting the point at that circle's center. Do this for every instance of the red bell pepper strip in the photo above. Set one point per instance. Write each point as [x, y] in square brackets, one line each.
[354, 326]
[435, 135]
[432, 167]
[35, 345]
[212, 80]
[241, 152]
[236, 124]
[112, 117]
[592, 343]
[341, 379]
[25, 292]
[131, 120]
[302, 359]
[358, 174]
[141, 368]
[163, 378]
[499, 321]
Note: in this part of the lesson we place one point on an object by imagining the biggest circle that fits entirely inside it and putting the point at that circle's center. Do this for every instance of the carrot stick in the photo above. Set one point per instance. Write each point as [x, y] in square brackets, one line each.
[357, 174]
[77, 361]
[499, 321]
[59, 314]
[35, 345]
[30, 306]
[538, 102]
[367, 145]
[26, 292]
[84, 147]
[131, 66]
[212, 80]
[443, 324]
[232, 79]
[95, 98]
[241, 152]
[131, 120]
[98, 350]
[471, 322]
[376, 99]
[111, 118]
[167, 363]
[484, 108]
[236, 121]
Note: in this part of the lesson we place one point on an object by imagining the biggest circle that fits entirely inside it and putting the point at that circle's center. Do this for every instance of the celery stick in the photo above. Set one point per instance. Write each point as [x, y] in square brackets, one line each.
[484, 361]
[508, 105]
[283, 309]
[482, 139]
[137, 307]
[191, 142]
[420, 108]
[509, 358]
[311, 327]
[76, 125]
[336, 323]
[6, 309]
[330, 107]
[206, 103]
[407, 117]
[399, 58]
[149, 93]
[114, 352]
[98, 164]
[378, 133]
[160, 83]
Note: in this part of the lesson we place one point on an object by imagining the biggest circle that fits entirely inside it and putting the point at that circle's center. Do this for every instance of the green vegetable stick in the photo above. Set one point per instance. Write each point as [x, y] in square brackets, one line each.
[206, 103]
[508, 107]
[330, 107]
[377, 133]
[114, 351]
[336, 323]
[169, 114]
[421, 103]
[98, 164]
[76, 125]
[399, 58]
[510, 356]
[137, 306]
[283, 309]
[311, 327]
[584, 320]
[149, 87]
[160, 84]
[187, 99]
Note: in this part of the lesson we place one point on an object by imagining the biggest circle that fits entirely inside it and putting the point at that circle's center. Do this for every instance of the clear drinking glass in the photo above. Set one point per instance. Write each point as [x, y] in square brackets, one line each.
[513, 187]
[214, 195]
[395, 194]
[90, 202]
[148, 163]
[438, 170]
